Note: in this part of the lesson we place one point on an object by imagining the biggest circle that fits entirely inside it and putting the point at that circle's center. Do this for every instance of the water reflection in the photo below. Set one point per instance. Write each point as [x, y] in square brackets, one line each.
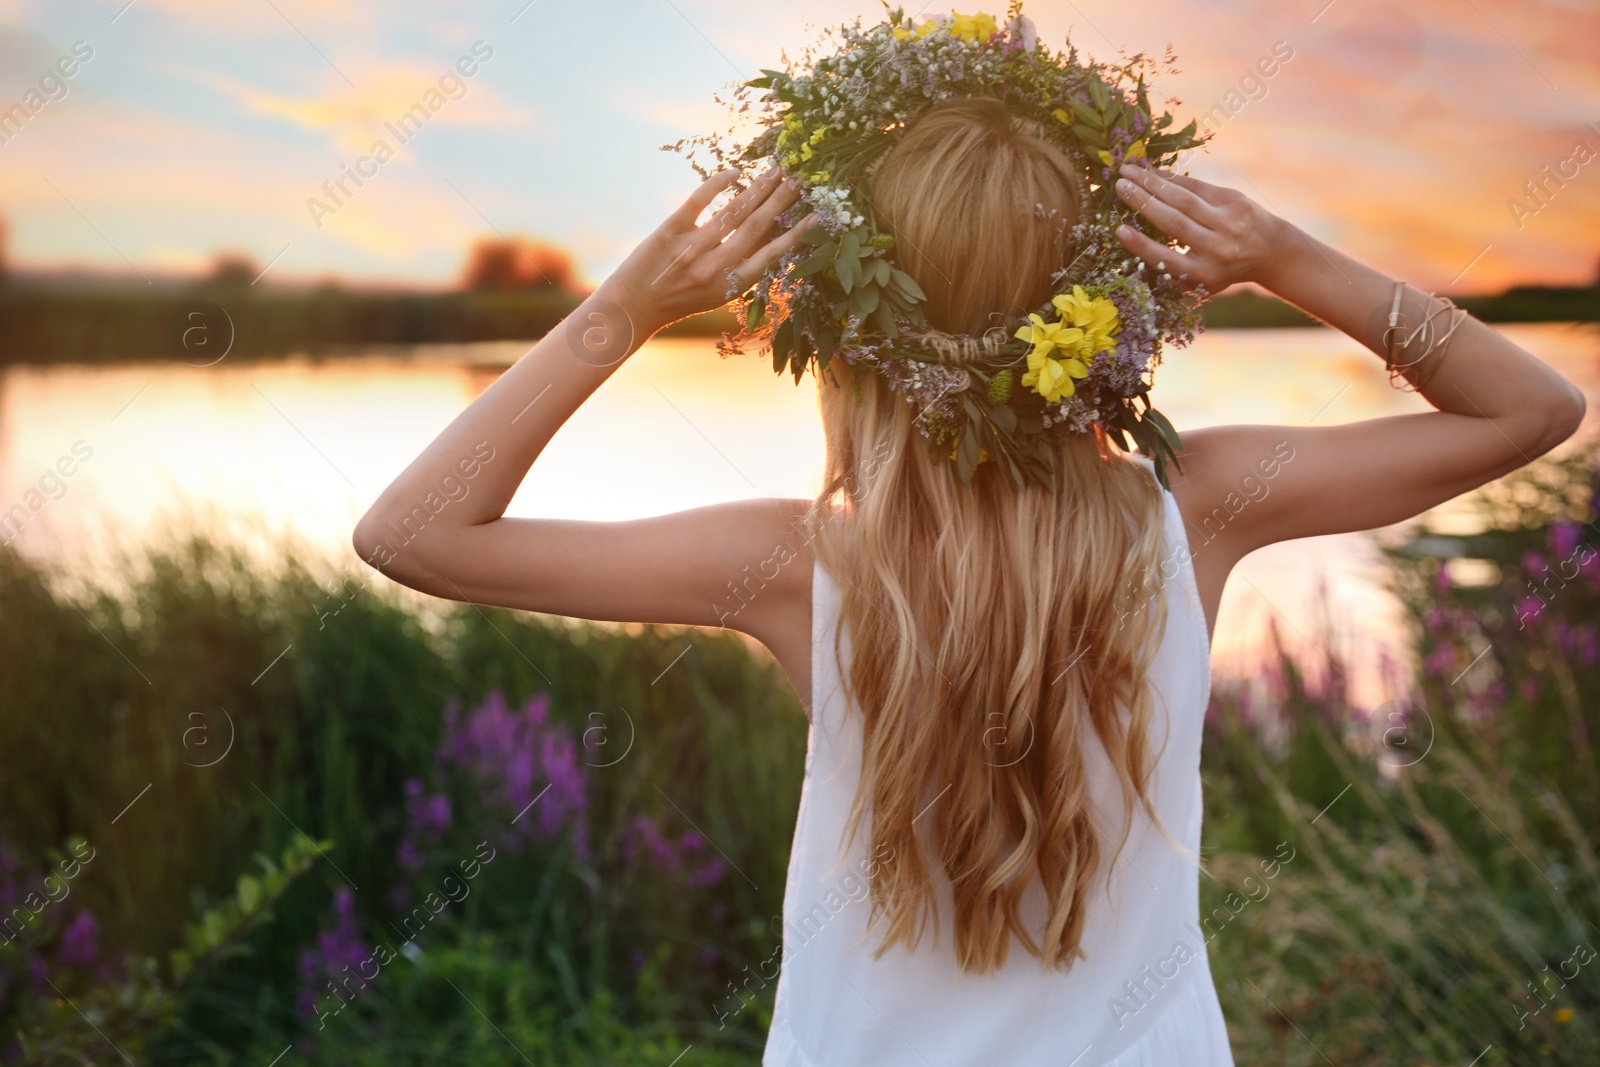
[294, 450]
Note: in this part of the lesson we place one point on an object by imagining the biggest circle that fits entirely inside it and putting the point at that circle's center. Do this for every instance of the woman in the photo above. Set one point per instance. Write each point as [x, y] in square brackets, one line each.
[1011, 715]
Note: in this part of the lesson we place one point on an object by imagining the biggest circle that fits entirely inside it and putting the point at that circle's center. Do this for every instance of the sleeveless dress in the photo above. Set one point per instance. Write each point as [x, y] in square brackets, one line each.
[1143, 997]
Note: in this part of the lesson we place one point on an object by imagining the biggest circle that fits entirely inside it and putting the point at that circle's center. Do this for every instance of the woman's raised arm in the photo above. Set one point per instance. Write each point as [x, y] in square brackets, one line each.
[1498, 407]
[673, 568]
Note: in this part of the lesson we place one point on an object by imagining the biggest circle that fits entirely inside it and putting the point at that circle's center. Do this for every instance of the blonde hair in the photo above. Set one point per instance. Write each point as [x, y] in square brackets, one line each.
[991, 635]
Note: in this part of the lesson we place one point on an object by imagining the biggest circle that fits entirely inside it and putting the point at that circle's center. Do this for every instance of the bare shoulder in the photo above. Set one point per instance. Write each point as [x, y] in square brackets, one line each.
[770, 597]
[1224, 469]
[774, 562]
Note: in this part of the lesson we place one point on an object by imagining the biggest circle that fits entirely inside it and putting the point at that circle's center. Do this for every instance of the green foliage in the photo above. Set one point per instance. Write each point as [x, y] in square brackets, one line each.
[1440, 903]
[89, 1024]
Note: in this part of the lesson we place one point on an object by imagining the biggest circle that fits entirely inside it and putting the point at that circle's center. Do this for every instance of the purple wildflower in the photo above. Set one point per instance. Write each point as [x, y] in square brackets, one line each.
[1440, 660]
[337, 947]
[80, 941]
[688, 857]
[1529, 608]
[1564, 640]
[1588, 645]
[1441, 580]
[523, 764]
[1563, 539]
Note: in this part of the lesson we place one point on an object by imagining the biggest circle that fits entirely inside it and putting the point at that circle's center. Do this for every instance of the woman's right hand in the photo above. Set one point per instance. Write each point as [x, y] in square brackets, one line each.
[1229, 237]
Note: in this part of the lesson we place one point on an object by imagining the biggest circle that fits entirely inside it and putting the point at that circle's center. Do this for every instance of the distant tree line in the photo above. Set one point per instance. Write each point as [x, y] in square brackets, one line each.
[511, 288]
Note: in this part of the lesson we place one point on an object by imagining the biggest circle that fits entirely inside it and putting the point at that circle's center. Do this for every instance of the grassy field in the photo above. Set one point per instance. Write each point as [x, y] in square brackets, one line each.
[249, 812]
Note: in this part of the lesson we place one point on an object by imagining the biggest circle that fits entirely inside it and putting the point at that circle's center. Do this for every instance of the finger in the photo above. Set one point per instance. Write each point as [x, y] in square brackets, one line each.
[1161, 257]
[758, 224]
[1211, 194]
[1160, 185]
[686, 215]
[1169, 219]
[736, 211]
[779, 246]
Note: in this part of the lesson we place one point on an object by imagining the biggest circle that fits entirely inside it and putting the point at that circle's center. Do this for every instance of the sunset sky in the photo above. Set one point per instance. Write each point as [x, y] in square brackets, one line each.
[1400, 132]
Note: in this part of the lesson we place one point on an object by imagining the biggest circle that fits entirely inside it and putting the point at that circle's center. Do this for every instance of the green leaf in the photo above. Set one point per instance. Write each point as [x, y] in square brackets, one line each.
[868, 296]
[815, 263]
[782, 342]
[249, 893]
[817, 235]
[850, 246]
[884, 318]
[845, 265]
[881, 271]
[967, 456]
[1097, 90]
[908, 284]
[1089, 137]
[1165, 428]
[215, 926]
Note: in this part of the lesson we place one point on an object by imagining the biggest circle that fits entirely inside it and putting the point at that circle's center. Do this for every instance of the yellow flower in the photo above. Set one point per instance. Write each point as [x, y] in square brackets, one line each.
[1096, 317]
[1048, 374]
[1564, 1015]
[1046, 337]
[1063, 350]
[1135, 151]
[975, 28]
[1052, 378]
[901, 33]
[816, 138]
[1065, 119]
[805, 151]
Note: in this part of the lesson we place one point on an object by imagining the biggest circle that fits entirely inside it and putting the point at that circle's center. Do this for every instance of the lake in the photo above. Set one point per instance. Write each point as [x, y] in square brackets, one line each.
[285, 455]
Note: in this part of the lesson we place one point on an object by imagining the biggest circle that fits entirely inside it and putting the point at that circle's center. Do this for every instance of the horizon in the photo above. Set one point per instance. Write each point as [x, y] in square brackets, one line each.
[167, 132]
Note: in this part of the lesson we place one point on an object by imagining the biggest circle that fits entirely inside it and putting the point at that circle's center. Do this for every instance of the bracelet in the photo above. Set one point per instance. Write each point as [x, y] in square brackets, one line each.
[1394, 329]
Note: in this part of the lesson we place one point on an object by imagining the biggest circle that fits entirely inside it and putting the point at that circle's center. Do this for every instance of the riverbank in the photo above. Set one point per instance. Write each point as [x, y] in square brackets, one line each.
[202, 324]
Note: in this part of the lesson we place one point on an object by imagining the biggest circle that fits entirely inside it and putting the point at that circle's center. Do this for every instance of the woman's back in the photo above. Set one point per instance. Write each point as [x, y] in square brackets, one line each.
[1145, 952]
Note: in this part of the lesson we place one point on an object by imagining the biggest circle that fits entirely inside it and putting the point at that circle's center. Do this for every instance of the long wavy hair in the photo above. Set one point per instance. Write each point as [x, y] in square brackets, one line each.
[996, 633]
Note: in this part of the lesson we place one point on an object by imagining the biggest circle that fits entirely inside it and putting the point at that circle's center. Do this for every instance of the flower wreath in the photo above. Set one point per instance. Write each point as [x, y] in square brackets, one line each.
[1082, 360]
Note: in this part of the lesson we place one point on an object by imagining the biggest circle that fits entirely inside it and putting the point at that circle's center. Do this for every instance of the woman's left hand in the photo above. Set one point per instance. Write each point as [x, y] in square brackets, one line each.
[683, 269]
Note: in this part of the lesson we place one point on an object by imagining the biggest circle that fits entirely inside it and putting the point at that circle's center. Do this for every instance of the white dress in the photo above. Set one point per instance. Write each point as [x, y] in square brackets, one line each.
[1142, 998]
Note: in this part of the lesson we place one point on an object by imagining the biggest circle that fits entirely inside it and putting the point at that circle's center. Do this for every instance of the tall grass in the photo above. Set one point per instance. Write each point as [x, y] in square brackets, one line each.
[1435, 898]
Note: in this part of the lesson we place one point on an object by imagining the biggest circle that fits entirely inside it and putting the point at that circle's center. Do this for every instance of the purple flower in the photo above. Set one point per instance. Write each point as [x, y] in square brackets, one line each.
[1441, 580]
[79, 941]
[1533, 563]
[1564, 640]
[523, 764]
[1563, 539]
[337, 947]
[1529, 608]
[688, 858]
